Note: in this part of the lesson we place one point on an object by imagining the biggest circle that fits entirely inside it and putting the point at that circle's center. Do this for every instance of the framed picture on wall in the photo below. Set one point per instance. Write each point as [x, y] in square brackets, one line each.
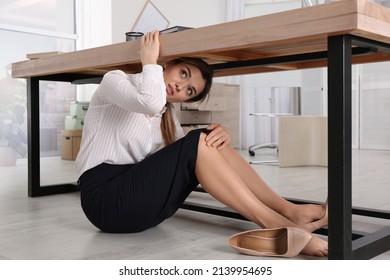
[150, 19]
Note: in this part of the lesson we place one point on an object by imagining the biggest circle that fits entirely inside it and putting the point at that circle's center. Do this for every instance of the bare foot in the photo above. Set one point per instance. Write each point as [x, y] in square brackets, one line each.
[316, 247]
[310, 216]
[312, 226]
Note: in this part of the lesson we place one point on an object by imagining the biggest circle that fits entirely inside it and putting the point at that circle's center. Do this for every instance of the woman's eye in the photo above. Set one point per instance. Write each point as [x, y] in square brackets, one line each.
[189, 91]
[183, 74]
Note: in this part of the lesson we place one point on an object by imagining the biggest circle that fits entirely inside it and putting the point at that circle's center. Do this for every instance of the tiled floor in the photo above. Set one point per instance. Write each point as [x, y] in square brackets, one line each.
[54, 227]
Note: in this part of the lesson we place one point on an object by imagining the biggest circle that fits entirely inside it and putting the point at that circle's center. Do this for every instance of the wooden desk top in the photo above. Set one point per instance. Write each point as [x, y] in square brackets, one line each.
[292, 32]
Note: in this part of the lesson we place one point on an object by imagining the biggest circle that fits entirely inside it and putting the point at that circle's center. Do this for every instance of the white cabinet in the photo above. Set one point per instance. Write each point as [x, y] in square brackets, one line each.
[375, 106]
[222, 106]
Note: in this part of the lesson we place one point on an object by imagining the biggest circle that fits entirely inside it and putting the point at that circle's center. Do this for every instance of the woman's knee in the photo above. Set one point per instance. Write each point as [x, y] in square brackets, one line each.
[199, 134]
[202, 139]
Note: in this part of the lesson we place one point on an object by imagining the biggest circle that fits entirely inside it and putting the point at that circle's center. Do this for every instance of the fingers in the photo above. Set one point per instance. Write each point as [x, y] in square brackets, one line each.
[150, 47]
[219, 137]
[150, 37]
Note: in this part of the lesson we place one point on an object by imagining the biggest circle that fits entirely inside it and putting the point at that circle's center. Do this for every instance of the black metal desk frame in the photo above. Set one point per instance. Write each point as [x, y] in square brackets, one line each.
[343, 242]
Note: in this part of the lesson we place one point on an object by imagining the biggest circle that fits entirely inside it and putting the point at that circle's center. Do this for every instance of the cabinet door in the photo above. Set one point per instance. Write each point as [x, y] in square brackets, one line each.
[215, 103]
[375, 119]
[228, 99]
[374, 108]
[222, 106]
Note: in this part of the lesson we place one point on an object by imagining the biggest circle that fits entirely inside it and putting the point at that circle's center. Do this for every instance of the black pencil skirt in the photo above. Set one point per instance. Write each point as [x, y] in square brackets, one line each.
[135, 197]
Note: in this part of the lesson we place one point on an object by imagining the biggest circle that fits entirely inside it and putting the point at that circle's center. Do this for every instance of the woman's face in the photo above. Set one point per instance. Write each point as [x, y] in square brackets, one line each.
[183, 81]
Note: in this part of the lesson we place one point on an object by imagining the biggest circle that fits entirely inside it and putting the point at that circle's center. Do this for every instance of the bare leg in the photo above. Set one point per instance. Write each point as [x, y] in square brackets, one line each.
[221, 181]
[303, 215]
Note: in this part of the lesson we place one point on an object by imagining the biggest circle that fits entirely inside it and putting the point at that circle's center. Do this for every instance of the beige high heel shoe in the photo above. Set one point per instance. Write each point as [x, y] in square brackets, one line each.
[276, 242]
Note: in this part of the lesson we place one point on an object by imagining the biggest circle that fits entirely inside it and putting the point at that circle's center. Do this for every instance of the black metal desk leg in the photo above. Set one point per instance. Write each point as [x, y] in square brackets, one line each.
[34, 157]
[339, 147]
[34, 170]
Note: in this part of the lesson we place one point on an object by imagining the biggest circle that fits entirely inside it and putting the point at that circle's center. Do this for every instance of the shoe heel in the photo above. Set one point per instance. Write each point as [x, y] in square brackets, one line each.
[277, 242]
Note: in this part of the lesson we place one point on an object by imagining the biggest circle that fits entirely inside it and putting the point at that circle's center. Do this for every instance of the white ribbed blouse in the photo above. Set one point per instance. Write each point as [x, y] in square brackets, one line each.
[122, 124]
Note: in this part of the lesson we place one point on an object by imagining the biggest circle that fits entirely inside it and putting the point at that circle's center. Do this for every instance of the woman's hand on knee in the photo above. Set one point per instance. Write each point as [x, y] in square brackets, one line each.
[219, 136]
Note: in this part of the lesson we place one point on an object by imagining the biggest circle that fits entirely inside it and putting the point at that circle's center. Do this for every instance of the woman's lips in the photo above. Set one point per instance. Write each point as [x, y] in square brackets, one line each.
[170, 90]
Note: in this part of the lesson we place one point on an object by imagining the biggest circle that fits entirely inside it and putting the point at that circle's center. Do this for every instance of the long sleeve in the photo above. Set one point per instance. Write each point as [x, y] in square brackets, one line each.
[143, 93]
[122, 124]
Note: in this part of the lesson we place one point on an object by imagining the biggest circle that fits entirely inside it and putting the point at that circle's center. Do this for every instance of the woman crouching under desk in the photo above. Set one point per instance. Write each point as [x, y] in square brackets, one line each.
[127, 184]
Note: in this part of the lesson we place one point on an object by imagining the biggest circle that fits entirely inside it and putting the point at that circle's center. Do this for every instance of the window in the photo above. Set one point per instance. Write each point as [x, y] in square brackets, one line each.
[34, 26]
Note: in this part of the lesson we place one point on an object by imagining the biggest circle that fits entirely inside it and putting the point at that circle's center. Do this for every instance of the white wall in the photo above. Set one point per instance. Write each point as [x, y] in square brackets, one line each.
[93, 23]
[178, 12]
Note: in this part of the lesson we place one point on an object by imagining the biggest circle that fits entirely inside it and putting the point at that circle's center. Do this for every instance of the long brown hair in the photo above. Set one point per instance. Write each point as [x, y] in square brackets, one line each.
[168, 128]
